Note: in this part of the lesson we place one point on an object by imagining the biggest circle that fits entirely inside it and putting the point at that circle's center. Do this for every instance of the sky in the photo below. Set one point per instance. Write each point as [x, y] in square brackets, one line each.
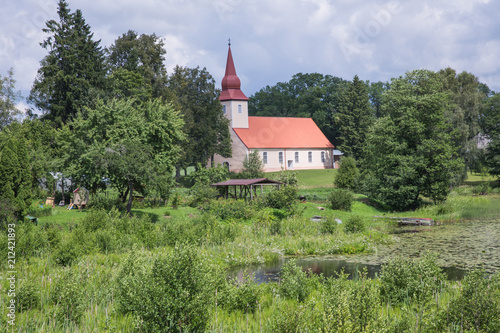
[271, 40]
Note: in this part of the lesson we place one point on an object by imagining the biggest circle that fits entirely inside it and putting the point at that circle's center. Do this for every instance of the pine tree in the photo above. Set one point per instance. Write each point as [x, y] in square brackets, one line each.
[355, 117]
[73, 69]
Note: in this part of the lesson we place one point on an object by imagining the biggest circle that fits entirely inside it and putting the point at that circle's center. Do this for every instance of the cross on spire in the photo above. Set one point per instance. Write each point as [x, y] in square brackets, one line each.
[229, 41]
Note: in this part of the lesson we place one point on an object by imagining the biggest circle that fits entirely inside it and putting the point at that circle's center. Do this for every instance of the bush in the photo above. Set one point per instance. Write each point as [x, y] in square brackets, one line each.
[354, 224]
[228, 209]
[477, 308]
[66, 253]
[241, 295]
[328, 226]
[403, 279]
[175, 294]
[27, 296]
[347, 175]
[284, 198]
[94, 220]
[340, 200]
[68, 297]
[350, 306]
[294, 282]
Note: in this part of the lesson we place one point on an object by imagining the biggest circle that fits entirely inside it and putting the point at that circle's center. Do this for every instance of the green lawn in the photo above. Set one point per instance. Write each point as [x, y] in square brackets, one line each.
[311, 178]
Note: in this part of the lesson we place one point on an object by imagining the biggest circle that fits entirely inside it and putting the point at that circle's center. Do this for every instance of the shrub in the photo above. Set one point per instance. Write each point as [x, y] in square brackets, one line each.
[350, 306]
[354, 224]
[477, 308]
[328, 225]
[229, 209]
[404, 279]
[201, 194]
[241, 294]
[347, 175]
[66, 253]
[294, 282]
[175, 294]
[340, 200]
[68, 297]
[284, 198]
[94, 220]
[27, 296]
[252, 166]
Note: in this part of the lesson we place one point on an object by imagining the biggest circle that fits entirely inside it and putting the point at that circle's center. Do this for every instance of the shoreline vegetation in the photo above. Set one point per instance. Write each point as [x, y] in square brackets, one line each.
[98, 270]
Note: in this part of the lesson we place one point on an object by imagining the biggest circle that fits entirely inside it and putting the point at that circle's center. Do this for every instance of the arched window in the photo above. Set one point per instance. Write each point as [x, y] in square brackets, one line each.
[239, 108]
[323, 159]
[280, 157]
[224, 109]
[264, 157]
[310, 157]
[296, 157]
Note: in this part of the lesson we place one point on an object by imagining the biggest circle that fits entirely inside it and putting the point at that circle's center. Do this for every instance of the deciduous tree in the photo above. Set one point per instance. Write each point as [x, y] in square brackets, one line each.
[409, 152]
[8, 98]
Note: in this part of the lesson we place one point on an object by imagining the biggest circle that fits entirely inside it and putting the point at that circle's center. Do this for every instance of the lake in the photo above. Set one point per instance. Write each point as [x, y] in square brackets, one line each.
[460, 246]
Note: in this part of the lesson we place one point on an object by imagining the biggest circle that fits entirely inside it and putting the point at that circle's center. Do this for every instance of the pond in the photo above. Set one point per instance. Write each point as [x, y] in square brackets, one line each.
[460, 246]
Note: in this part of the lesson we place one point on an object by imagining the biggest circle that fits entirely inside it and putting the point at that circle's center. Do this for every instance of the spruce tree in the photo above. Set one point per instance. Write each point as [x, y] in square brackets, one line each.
[72, 70]
[354, 118]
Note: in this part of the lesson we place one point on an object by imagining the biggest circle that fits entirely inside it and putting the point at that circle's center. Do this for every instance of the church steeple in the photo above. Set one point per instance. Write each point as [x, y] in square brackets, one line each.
[231, 83]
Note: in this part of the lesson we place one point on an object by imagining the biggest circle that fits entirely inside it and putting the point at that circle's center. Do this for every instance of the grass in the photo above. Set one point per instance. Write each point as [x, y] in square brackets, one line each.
[310, 178]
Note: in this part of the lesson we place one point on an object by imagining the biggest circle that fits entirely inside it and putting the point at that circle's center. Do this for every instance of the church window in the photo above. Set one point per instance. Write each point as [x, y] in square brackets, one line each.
[280, 157]
[323, 157]
[296, 157]
[264, 157]
[224, 109]
[310, 156]
[239, 108]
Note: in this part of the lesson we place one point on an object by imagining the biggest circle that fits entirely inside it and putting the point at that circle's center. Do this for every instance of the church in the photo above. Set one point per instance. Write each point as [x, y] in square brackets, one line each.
[282, 142]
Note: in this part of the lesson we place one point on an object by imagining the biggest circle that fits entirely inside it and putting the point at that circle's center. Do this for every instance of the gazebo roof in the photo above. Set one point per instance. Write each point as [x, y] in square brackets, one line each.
[246, 182]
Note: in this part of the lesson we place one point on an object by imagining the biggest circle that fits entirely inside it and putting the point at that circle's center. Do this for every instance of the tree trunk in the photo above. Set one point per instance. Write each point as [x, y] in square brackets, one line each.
[177, 173]
[130, 196]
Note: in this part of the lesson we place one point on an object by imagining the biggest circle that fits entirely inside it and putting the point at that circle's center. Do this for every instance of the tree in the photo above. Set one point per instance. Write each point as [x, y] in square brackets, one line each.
[408, 151]
[253, 167]
[8, 99]
[142, 55]
[72, 71]
[490, 123]
[354, 118]
[306, 95]
[348, 174]
[466, 106]
[134, 145]
[206, 127]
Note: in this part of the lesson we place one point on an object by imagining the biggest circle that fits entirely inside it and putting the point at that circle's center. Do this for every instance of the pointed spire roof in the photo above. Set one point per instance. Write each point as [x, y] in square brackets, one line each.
[231, 83]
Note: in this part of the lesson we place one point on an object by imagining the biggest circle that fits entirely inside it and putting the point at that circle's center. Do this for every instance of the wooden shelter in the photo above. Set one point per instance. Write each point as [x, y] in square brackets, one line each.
[242, 188]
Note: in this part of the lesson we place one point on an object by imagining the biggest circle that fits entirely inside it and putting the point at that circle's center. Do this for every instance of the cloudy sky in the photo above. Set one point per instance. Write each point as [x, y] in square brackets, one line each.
[273, 39]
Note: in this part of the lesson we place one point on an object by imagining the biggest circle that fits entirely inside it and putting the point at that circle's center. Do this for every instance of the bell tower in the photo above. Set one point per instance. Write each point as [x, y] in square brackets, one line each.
[234, 101]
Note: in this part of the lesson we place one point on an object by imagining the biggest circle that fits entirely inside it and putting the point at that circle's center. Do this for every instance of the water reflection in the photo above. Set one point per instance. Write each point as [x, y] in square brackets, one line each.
[328, 266]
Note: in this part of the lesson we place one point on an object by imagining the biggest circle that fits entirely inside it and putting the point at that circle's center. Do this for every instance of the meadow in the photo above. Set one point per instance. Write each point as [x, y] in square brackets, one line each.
[163, 268]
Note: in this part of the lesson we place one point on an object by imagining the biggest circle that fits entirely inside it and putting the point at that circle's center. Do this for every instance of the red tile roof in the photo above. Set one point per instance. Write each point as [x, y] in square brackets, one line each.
[282, 132]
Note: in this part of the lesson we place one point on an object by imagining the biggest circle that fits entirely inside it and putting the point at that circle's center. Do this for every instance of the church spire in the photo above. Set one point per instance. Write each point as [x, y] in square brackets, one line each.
[231, 83]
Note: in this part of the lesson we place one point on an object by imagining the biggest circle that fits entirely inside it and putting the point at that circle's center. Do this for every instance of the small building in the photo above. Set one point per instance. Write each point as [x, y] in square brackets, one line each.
[282, 142]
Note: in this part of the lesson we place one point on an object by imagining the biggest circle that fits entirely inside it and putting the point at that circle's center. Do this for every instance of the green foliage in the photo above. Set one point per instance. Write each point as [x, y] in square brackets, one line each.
[132, 145]
[328, 225]
[340, 199]
[354, 224]
[409, 151]
[68, 296]
[205, 126]
[73, 70]
[403, 279]
[347, 174]
[295, 317]
[490, 123]
[351, 306]
[354, 118]
[294, 283]
[240, 294]
[252, 166]
[477, 307]
[227, 209]
[27, 295]
[284, 198]
[201, 194]
[175, 293]
[8, 99]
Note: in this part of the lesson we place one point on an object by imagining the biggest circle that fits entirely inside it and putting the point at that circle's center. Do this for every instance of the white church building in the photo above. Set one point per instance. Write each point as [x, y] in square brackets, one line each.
[282, 142]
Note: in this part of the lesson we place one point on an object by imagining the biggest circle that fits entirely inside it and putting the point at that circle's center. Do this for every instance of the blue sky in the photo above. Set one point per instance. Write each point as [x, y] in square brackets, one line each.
[273, 39]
